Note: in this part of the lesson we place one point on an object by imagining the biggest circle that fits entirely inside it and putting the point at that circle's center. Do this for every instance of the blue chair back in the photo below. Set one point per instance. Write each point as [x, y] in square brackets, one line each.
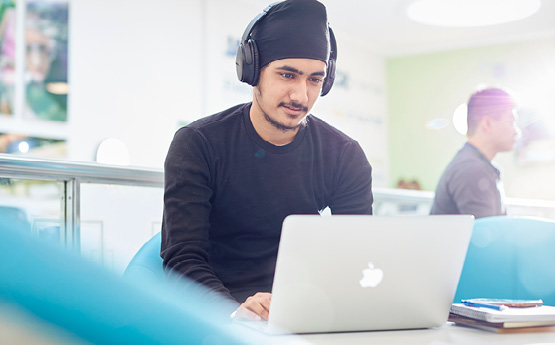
[147, 263]
[510, 257]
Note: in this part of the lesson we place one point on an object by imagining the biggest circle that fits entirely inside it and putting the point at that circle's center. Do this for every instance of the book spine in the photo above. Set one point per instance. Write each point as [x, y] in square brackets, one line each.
[467, 312]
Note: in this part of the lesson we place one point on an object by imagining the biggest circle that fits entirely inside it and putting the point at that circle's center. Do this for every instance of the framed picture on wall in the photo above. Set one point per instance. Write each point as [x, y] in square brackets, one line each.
[46, 42]
[7, 57]
[34, 63]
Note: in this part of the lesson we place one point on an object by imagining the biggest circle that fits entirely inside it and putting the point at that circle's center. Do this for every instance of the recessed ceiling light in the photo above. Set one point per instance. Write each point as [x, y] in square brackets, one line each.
[470, 13]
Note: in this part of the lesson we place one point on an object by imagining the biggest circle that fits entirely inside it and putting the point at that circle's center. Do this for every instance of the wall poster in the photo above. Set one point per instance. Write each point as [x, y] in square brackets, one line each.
[44, 61]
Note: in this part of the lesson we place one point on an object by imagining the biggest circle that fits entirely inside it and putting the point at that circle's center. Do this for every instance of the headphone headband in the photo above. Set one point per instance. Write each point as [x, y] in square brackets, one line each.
[259, 16]
[247, 60]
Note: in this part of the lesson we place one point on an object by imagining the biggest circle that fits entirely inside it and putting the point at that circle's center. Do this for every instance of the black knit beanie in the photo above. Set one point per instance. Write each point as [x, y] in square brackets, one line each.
[293, 29]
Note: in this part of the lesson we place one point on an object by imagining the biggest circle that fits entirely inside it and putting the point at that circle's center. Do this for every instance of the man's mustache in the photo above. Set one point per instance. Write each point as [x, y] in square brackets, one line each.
[294, 106]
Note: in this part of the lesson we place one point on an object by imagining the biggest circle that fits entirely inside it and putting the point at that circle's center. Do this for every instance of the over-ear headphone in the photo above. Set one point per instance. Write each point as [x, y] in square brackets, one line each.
[247, 64]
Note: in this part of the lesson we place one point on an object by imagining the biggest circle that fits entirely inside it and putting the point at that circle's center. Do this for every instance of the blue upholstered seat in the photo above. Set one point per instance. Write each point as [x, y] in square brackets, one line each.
[510, 257]
[147, 263]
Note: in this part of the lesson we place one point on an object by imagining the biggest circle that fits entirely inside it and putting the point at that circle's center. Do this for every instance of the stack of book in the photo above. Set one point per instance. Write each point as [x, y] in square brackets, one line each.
[504, 320]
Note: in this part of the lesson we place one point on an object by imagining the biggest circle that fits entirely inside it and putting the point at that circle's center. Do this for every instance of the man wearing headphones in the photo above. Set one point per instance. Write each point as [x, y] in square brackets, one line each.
[232, 178]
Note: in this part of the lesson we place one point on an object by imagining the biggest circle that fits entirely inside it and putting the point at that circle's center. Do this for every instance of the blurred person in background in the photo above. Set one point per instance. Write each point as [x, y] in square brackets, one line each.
[471, 183]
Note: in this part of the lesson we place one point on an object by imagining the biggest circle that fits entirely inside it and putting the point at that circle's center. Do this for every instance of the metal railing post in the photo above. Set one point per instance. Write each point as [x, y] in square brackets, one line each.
[71, 213]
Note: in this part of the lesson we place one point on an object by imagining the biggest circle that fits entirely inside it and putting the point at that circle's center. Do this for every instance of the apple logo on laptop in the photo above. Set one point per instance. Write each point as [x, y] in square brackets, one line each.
[371, 276]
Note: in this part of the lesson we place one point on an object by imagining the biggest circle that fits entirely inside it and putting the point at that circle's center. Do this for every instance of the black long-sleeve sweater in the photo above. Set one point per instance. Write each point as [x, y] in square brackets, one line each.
[227, 192]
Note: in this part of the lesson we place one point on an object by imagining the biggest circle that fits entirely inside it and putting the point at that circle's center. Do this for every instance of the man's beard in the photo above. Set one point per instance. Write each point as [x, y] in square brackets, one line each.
[278, 125]
[281, 126]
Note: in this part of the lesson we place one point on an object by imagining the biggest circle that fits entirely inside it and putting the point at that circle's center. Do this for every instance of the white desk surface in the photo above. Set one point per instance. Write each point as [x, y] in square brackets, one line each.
[447, 334]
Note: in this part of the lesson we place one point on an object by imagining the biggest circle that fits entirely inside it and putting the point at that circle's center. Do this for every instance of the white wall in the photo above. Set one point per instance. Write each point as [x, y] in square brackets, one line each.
[134, 73]
[357, 104]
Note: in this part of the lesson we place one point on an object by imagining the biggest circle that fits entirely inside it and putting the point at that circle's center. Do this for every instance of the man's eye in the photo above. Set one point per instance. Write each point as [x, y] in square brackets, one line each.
[316, 80]
[287, 75]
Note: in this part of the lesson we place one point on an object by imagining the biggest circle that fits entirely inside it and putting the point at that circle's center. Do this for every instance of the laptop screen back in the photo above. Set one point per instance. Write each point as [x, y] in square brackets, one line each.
[359, 272]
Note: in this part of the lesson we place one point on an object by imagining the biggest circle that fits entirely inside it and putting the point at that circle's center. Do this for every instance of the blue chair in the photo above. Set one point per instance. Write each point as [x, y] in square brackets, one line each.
[510, 257]
[147, 265]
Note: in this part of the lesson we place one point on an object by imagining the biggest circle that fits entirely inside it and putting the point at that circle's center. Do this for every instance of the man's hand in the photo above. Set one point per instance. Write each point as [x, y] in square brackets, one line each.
[255, 308]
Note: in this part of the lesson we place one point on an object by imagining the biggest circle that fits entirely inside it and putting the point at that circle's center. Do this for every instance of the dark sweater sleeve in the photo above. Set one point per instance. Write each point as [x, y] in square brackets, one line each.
[187, 193]
[353, 183]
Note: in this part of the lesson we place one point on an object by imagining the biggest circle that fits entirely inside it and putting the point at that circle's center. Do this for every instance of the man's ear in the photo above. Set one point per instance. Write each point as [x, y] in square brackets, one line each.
[486, 123]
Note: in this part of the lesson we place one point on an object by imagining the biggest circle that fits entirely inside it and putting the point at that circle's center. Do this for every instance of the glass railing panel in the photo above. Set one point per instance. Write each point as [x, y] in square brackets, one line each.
[393, 202]
[116, 220]
[33, 206]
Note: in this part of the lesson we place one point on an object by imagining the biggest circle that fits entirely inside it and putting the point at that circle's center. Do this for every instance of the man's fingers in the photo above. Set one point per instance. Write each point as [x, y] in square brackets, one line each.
[257, 308]
[258, 305]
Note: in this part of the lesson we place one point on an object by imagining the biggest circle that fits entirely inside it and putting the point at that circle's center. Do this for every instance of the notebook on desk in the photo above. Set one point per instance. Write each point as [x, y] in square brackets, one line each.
[358, 273]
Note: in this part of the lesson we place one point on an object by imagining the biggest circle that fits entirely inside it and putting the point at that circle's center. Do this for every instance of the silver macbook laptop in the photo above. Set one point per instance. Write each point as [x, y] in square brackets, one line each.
[358, 273]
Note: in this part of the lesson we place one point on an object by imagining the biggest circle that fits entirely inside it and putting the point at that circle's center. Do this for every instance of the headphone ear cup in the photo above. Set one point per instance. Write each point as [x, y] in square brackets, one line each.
[330, 71]
[246, 62]
[239, 62]
[330, 77]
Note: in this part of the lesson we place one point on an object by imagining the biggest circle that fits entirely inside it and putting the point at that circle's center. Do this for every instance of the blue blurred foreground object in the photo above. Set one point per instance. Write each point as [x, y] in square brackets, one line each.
[101, 307]
[510, 258]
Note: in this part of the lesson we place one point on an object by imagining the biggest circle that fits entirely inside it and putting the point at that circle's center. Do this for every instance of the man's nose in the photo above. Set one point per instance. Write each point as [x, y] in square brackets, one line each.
[299, 92]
